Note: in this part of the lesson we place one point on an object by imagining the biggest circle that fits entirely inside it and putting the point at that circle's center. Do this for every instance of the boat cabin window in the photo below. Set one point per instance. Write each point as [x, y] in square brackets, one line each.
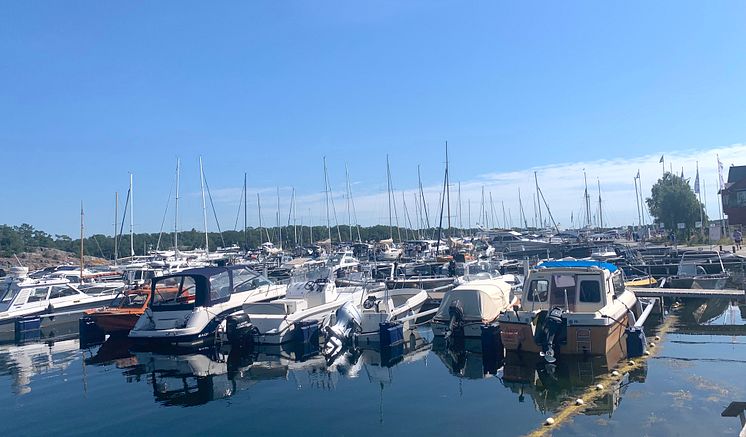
[220, 286]
[618, 283]
[174, 291]
[61, 291]
[563, 292]
[8, 294]
[590, 291]
[38, 294]
[538, 290]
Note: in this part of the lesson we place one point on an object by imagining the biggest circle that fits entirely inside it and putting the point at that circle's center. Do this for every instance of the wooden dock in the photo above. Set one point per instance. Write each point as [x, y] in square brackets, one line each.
[689, 293]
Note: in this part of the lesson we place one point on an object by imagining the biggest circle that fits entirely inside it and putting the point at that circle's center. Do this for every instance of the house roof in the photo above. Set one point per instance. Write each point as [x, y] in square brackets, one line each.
[736, 173]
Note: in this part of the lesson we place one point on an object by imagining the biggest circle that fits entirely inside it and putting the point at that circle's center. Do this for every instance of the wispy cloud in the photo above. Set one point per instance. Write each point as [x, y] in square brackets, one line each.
[562, 185]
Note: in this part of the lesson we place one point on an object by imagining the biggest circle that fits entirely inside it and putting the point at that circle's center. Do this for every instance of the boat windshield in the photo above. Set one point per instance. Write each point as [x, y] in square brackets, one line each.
[7, 294]
[246, 279]
[174, 291]
[130, 299]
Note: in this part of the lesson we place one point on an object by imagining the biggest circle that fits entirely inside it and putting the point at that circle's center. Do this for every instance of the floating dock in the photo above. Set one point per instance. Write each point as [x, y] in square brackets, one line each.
[695, 293]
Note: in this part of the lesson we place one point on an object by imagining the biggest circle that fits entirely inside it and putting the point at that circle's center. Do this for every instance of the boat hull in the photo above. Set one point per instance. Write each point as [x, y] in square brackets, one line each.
[581, 339]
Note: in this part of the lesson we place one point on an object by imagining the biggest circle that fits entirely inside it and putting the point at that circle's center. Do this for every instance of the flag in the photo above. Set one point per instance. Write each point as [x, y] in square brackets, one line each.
[720, 173]
[696, 182]
[661, 160]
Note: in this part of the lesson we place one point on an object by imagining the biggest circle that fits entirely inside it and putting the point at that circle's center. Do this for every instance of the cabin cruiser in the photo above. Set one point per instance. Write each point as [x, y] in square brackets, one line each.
[23, 297]
[307, 301]
[465, 309]
[189, 308]
[570, 307]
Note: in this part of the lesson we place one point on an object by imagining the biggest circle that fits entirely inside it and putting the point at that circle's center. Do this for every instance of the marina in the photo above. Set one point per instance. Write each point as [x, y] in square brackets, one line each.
[372, 219]
[378, 356]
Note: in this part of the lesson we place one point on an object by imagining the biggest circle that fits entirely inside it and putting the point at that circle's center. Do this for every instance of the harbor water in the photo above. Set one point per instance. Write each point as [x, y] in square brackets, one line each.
[55, 387]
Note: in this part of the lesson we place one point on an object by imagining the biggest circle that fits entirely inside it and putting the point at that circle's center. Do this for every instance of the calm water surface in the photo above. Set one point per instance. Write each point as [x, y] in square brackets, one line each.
[60, 389]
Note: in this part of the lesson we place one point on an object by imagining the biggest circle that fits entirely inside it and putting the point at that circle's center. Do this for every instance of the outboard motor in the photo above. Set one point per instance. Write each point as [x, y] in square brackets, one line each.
[348, 320]
[551, 327]
[456, 324]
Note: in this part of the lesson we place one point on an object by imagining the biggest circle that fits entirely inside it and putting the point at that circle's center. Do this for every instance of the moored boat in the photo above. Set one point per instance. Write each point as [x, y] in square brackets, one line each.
[467, 308]
[189, 308]
[569, 307]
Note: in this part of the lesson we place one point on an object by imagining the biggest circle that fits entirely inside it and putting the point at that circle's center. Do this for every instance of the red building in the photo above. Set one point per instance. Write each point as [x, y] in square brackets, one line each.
[734, 195]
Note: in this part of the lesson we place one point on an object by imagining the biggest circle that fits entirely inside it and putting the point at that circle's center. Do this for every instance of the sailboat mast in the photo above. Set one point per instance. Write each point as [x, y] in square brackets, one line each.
[279, 227]
[349, 213]
[538, 203]
[587, 201]
[295, 220]
[176, 209]
[116, 218]
[204, 205]
[505, 219]
[388, 189]
[326, 192]
[132, 219]
[245, 215]
[600, 211]
[81, 242]
[448, 191]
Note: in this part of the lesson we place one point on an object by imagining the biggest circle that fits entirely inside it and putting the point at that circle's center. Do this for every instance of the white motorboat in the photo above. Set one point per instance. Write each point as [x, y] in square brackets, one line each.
[309, 301]
[465, 309]
[189, 308]
[388, 306]
[25, 297]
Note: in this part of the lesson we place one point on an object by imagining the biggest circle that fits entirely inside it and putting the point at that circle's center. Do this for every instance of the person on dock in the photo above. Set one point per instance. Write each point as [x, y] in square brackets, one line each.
[737, 238]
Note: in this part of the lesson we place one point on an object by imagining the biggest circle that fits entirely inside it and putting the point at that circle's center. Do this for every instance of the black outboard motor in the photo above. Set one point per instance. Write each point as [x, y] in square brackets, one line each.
[456, 324]
[551, 328]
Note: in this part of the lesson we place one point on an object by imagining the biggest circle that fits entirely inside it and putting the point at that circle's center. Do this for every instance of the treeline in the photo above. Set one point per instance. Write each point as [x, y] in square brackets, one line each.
[24, 238]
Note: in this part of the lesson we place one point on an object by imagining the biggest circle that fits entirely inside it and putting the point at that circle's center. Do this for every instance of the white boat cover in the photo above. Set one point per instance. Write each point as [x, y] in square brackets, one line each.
[483, 299]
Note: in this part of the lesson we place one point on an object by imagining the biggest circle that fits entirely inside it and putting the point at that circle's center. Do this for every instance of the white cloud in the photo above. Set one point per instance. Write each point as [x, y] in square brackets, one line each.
[562, 186]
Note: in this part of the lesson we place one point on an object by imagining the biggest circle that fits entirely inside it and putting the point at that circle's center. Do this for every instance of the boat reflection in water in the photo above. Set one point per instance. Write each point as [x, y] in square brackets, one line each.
[26, 361]
[548, 386]
[221, 372]
[469, 358]
[529, 376]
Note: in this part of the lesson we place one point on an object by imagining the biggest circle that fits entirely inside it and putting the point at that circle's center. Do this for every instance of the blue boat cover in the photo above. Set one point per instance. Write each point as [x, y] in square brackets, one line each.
[579, 263]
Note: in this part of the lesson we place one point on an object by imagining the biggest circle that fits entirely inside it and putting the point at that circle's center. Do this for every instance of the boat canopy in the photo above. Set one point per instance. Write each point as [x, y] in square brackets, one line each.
[578, 263]
[483, 300]
[203, 286]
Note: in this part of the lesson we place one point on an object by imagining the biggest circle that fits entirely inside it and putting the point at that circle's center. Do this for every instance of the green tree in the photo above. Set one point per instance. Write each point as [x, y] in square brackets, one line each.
[673, 201]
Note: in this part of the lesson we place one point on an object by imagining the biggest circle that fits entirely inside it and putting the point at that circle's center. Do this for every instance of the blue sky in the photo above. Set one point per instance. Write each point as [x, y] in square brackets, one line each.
[92, 91]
